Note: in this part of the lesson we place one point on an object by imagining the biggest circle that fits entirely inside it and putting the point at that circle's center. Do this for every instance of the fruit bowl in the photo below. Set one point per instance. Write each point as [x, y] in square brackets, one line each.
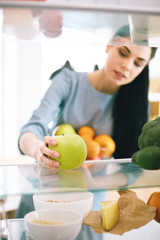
[57, 224]
[78, 201]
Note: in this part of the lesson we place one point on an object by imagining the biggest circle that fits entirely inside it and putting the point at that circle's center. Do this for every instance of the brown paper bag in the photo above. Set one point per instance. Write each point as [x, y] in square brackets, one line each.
[134, 213]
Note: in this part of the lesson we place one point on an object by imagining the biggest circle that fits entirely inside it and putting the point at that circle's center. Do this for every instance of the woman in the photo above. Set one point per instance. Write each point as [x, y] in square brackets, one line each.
[113, 100]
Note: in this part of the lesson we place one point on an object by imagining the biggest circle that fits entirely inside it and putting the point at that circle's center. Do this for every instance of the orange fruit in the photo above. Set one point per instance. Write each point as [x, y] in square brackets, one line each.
[154, 201]
[86, 138]
[107, 145]
[86, 130]
[93, 149]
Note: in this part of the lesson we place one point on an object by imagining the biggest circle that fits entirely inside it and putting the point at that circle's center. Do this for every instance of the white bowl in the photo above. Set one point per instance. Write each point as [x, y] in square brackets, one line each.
[78, 201]
[68, 225]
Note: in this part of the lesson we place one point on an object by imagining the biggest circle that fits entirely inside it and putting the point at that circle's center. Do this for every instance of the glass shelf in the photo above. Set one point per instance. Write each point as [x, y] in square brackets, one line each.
[16, 229]
[93, 176]
[107, 16]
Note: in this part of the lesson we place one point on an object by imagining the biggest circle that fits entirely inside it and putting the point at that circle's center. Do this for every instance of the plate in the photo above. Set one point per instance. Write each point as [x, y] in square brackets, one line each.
[112, 160]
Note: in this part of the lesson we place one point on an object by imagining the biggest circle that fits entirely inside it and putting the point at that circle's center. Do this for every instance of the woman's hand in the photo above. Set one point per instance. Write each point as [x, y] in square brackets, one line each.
[44, 153]
[30, 145]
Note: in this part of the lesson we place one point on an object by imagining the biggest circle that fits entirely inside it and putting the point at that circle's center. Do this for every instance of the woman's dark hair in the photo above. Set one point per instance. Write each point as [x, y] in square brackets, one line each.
[131, 110]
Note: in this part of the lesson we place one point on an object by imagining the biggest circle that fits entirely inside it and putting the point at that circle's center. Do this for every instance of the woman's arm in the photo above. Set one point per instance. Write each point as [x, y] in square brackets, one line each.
[34, 137]
[30, 145]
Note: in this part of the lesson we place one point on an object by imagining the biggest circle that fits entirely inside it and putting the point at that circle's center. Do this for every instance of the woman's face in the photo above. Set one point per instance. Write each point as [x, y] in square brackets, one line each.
[125, 63]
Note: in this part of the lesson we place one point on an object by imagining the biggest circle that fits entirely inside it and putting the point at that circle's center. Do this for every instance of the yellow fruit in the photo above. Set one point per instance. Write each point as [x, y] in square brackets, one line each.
[110, 214]
[64, 129]
[72, 149]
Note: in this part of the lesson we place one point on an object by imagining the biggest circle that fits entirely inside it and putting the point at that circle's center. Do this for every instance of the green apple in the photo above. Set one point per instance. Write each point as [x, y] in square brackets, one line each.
[74, 178]
[72, 149]
[64, 129]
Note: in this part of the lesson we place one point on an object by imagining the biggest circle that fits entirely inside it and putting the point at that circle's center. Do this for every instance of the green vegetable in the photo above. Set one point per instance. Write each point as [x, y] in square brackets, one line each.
[147, 158]
[150, 135]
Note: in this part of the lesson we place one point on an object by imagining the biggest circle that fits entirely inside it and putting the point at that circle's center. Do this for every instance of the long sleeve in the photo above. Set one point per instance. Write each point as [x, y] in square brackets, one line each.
[50, 107]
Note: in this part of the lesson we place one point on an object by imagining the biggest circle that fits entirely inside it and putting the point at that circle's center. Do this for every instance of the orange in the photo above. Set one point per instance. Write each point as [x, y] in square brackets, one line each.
[107, 145]
[93, 149]
[86, 130]
[154, 201]
[86, 138]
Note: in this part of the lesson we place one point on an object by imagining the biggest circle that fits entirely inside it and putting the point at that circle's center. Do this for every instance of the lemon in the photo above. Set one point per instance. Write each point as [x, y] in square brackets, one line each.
[110, 214]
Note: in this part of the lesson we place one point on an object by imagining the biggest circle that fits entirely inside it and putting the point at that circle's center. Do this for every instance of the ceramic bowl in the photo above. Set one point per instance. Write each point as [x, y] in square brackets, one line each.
[78, 201]
[57, 224]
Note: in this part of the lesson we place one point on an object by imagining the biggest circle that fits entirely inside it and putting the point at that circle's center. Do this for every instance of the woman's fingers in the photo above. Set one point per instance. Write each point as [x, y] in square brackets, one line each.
[49, 152]
[48, 162]
[49, 140]
[45, 153]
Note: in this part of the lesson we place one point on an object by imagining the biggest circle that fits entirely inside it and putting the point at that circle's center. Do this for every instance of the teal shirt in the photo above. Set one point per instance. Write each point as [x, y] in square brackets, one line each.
[71, 99]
